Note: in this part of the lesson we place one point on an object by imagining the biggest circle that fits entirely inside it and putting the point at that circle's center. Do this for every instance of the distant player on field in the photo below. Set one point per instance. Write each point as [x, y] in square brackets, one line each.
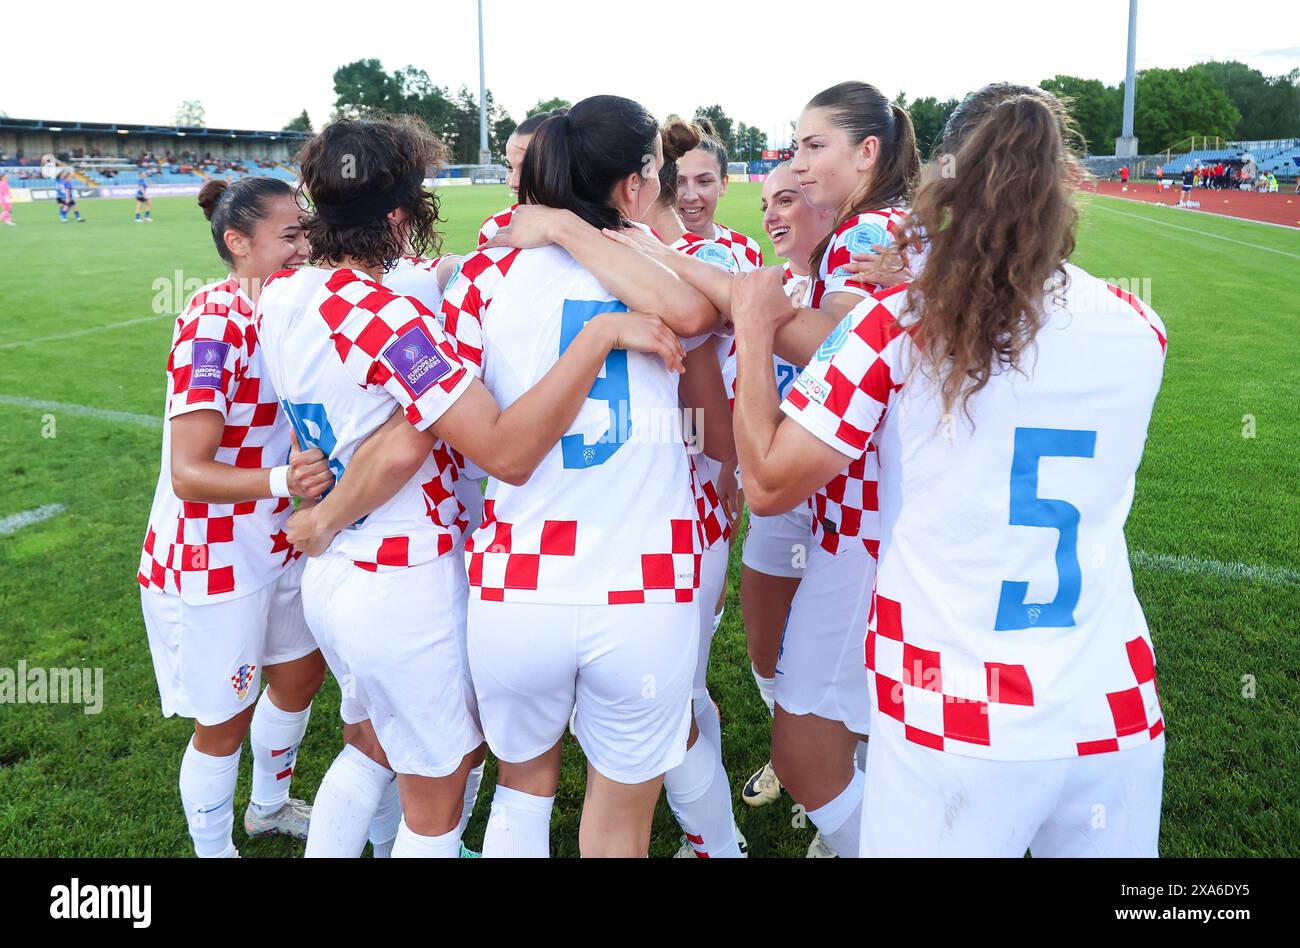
[142, 201]
[1011, 670]
[66, 193]
[6, 200]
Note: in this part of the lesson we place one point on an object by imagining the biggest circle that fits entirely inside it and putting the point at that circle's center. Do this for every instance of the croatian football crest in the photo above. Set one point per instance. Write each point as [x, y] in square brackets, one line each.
[242, 680]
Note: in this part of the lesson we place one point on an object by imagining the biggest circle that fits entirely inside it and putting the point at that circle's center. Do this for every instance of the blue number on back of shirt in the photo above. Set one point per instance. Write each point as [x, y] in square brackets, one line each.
[785, 374]
[314, 431]
[1030, 510]
[612, 387]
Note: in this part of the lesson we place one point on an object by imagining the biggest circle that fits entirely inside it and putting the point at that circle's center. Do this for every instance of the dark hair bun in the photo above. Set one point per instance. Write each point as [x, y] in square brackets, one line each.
[706, 126]
[210, 194]
[679, 138]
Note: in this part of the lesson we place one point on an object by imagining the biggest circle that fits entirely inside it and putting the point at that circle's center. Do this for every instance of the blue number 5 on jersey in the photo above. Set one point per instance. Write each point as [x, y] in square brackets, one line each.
[1030, 510]
[611, 386]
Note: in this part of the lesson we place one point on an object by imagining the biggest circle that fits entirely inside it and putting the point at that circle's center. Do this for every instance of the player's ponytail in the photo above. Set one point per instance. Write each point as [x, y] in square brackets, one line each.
[575, 161]
[679, 138]
[863, 112]
[239, 206]
[996, 212]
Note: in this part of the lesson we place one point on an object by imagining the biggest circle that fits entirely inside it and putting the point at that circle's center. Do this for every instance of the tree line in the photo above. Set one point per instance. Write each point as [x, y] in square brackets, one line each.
[1226, 99]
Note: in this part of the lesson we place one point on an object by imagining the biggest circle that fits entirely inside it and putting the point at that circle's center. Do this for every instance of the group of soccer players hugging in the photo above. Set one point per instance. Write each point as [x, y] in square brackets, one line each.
[934, 418]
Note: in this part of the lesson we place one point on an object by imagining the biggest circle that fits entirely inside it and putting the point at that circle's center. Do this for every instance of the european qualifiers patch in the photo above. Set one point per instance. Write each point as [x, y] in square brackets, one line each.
[414, 356]
[207, 363]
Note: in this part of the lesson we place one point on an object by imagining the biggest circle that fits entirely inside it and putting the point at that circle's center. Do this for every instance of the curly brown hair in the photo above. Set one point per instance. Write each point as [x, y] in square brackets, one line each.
[355, 158]
[996, 211]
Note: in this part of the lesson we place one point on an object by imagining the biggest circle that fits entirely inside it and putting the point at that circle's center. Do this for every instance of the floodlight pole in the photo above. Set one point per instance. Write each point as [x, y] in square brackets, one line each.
[484, 156]
[1126, 146]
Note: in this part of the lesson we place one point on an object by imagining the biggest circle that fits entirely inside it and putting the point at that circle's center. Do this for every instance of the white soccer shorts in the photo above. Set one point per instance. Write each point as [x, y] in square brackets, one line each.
[395, 640]
[924, 802]
[208, 659]
[780, 545]
[628, 668]
[821, 669]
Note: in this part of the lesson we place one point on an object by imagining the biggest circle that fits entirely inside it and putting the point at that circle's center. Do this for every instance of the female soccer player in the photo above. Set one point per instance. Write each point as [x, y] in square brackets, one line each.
[67, 196]
[142, 201]
[701, 182]
[776, 548]
[386, 601]
[220, 586]
[1010, 394]
[516, 147]
[584, 579]
[856, 156]
[6, 200]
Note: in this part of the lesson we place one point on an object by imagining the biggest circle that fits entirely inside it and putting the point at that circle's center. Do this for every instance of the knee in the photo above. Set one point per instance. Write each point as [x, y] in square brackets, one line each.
[362, 736]
[293, 686]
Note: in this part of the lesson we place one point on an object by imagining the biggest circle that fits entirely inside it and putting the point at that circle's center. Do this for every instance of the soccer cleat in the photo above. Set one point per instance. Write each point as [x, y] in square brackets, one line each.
[820, 849]
[763, 788]
[467, 853]
[292, 819]
[685, 850]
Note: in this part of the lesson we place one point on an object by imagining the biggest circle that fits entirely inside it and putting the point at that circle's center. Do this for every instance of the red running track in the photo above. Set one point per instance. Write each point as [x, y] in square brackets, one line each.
[1283, 208]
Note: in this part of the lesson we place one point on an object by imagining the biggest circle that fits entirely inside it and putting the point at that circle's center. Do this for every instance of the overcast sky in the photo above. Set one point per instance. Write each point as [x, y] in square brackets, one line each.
[760, 60]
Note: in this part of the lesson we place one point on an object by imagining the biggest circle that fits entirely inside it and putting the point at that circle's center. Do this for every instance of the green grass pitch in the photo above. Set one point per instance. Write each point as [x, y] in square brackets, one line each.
[1217, 489]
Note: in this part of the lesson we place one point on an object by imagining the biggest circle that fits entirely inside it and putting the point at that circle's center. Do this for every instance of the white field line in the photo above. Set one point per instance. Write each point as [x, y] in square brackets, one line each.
[100, 414]
[83, 332]
[1165, 563]
[15, 522]
[1197, 210]
[1200, 233]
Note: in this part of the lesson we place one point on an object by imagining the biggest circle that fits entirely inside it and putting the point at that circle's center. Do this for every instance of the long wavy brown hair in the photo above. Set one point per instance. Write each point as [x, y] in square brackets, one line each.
[995, 208]
[357, 156]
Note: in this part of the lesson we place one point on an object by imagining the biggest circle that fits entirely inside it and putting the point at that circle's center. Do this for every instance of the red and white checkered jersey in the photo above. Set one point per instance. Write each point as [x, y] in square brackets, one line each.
[208, 553]
[748, 254]
[343, 353]
[608, 516]
[1004, 623]
[858, 234]
[705, 471]
[495, 223]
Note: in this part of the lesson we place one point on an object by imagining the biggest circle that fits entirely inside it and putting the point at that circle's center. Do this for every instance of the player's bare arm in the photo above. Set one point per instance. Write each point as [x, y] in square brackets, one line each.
[641, 282]
[199, 478]
[783, 463]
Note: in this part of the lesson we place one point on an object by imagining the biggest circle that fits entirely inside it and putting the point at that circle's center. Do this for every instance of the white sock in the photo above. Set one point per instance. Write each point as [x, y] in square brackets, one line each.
[472, 783]
[707, 717]
[384, 824]
[860, 756]
[208, 795]
[766, 689]
[346, 803]
[411, 845]
[700, 797]
[519, 825]
[840, 821]
[275, 735]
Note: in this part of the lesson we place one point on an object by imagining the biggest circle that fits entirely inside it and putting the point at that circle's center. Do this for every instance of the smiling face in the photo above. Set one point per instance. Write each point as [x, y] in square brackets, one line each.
[278, 242]
[700, 184]
[795, 226]
[829, 166]
[516, 148]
